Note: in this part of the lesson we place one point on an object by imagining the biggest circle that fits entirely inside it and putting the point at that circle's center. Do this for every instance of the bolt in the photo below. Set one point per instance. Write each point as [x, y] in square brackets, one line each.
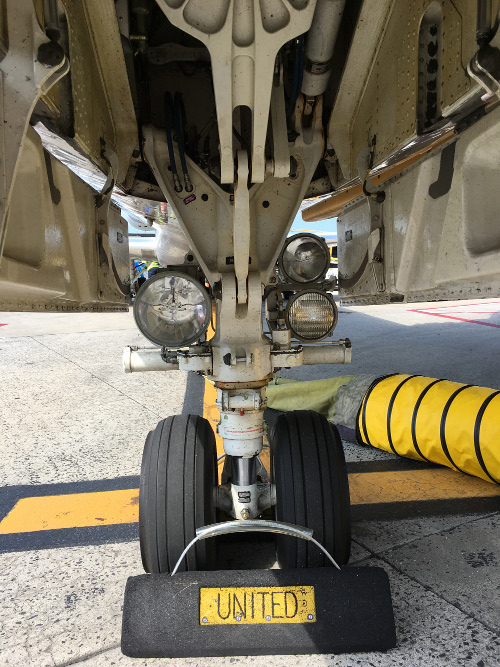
[268, 618]
[245, 514]
[238, 618]
[310, 617]
[205, 619]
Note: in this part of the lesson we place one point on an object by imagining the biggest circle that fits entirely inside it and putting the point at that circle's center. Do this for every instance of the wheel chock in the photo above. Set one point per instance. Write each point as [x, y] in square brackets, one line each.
[258, 612]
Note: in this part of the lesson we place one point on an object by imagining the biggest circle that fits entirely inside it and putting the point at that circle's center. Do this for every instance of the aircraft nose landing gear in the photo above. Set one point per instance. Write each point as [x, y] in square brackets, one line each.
[236, 230]
[306, 608]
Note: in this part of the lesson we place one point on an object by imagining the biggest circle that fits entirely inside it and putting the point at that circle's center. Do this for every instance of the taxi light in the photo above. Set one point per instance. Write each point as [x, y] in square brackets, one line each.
[305, 258]
[172, 310]
[311, 315]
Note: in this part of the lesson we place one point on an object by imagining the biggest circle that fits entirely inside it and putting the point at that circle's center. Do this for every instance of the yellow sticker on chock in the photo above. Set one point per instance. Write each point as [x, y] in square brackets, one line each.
[261, 604]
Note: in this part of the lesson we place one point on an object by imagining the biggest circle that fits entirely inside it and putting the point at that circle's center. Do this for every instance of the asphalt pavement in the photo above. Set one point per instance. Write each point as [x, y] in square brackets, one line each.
[73, 427]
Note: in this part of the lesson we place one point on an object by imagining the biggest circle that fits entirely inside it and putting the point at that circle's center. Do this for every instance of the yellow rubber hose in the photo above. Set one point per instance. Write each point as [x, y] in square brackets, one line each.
[443, 422]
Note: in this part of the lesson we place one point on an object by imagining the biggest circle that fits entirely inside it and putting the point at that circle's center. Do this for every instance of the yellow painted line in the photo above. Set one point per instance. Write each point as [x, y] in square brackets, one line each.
[211, 412]
[115, 507]
[406, 486]
[73, 510]
[265, 457]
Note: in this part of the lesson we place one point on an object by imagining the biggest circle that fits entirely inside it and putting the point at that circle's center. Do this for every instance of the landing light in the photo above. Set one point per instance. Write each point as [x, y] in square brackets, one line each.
[304, 259]
[311, 315]
[172, 310]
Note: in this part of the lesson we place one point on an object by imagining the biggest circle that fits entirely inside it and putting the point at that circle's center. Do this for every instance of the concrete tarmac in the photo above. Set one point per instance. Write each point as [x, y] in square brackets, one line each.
[74, 423]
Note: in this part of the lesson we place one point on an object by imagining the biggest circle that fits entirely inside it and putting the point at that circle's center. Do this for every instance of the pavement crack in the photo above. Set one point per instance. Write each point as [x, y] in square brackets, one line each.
[72, 361]
[422, 537]
[88, 656]
[429, 589]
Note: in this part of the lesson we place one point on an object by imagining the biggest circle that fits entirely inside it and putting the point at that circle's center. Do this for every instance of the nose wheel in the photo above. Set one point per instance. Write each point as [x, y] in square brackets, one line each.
[177, 491]
[311, 488]
[179, 481]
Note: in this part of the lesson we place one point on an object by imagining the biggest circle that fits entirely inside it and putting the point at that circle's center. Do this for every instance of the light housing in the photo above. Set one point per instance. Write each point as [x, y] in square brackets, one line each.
[172, 309]
[305, 258]
[311, 315]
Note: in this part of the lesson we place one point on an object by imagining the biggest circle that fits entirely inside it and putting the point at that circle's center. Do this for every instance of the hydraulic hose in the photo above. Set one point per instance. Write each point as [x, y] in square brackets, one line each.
[298, 73]
[168, 106]
[180, 119]
[443, 422]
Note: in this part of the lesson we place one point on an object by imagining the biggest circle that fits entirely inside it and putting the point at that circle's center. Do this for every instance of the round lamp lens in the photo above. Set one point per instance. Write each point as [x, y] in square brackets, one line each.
[305, 258]
[172, 310]
[311, 315]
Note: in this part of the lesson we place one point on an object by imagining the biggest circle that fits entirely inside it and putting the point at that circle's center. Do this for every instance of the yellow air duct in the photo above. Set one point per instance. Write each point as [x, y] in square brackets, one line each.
[433, 420]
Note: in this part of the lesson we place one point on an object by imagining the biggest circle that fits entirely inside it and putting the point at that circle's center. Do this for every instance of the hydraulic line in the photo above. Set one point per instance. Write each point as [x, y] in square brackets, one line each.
[298, 73]
[180, 120]
[242, 142]
[168, 105]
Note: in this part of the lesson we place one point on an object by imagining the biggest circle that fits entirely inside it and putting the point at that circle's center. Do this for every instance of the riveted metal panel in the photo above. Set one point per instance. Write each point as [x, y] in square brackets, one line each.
[102, 100]
[379, 90]
[459, 45]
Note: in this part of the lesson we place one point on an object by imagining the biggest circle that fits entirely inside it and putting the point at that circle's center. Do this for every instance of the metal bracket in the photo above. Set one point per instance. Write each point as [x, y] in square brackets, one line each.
[243, 40]
[376, 236]
[281, 154]
[111, 159]
[485, 69]
[240, 399]
[246, 501]
[376, 243]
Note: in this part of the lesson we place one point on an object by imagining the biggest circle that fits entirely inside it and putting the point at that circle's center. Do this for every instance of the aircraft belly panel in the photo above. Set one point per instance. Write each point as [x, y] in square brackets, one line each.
[440, 233]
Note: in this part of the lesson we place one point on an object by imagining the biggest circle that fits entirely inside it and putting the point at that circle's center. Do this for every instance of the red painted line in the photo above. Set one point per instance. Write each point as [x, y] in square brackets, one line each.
[460, 319]
[4, 325]
[466, 305]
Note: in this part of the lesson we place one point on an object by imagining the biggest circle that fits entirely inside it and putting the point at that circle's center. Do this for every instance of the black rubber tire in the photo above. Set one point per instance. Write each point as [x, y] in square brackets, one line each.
[312, 489]
[176, 495]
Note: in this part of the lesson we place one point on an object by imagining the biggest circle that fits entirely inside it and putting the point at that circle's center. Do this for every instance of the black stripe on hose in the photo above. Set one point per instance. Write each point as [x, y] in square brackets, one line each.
[477, 428]
[414, 418]
[389, 409]
[363, 407]
[363, 421]
[443, 425]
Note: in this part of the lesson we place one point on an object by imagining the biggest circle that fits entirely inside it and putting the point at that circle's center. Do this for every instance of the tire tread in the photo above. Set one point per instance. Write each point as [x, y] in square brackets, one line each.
[312, 489]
